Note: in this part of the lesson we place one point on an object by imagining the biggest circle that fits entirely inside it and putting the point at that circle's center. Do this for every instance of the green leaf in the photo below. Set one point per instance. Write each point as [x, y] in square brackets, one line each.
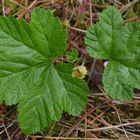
[28, 75]
[49, 99]
[119, 43]
[72, 56]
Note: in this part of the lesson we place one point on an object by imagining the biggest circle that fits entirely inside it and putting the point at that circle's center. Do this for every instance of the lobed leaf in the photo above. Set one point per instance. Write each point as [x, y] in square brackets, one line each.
[29, 77]
[119, 43]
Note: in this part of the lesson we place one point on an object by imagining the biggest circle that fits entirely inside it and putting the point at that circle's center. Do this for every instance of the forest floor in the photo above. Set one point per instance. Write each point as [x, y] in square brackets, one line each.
[103, 117]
